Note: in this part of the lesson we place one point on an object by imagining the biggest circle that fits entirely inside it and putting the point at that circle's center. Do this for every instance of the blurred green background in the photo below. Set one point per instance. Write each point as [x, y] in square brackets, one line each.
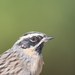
[53, 17]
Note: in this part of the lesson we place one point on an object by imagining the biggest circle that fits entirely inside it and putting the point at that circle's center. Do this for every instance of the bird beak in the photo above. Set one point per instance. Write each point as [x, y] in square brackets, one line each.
[47, 38]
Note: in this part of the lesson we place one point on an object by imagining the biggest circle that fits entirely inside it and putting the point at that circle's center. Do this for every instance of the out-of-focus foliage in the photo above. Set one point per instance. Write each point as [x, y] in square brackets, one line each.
[53, 17]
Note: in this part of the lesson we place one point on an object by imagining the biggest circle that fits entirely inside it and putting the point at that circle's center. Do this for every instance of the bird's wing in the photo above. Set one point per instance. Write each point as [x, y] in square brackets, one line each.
[11, 64]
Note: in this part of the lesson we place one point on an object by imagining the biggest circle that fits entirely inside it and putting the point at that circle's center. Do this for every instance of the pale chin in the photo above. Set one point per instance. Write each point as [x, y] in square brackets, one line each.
[46, 40]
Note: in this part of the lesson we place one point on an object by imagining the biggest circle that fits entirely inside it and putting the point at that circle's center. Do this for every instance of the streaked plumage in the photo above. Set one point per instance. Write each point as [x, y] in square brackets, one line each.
[24, 57]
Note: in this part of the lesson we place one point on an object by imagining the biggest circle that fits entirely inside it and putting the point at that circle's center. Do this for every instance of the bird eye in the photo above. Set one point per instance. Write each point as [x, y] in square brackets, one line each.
[33, 39]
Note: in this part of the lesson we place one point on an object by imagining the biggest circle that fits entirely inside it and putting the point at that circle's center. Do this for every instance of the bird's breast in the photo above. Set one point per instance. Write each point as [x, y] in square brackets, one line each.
[35, 66]
[36, 61]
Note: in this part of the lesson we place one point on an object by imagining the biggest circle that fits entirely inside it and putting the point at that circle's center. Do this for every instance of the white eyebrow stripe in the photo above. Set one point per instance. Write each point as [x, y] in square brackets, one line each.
[27, 36]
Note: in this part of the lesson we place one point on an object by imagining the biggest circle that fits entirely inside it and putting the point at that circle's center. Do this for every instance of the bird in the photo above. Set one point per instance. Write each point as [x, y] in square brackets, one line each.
[25, 56]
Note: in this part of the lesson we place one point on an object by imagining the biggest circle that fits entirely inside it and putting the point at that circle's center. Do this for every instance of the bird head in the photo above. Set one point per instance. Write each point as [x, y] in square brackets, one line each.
[33, 41]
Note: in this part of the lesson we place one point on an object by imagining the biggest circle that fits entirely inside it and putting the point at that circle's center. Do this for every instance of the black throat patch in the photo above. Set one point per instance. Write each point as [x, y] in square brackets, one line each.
[39, 48]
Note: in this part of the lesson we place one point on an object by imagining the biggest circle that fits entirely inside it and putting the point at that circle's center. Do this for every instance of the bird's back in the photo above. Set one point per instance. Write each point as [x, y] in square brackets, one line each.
[12, 64]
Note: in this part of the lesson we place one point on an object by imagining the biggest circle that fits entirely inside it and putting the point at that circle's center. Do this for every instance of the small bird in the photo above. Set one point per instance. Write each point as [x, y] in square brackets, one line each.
[25, 56]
